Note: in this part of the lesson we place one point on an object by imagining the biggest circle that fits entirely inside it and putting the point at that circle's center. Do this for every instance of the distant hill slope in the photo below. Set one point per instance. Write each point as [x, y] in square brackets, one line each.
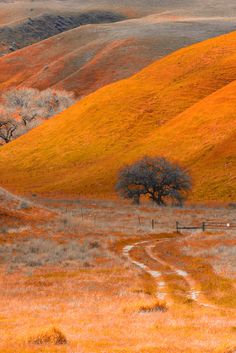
[87, 58]
[15, 10]
[35, 29]
[25, 22]
[182, 107]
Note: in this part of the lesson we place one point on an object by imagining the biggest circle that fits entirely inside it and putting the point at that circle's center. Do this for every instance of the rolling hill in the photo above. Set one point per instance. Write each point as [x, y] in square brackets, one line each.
[16, 10]
[24, 22]
[182, 106]
[87, 58]
[33, 30]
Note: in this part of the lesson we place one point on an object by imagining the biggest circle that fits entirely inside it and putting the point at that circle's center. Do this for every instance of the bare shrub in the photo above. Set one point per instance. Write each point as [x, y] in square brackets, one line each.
[24, 205]
[156, 307]
[30, 103]
[19, 97]
[53, 102]
[50, 336]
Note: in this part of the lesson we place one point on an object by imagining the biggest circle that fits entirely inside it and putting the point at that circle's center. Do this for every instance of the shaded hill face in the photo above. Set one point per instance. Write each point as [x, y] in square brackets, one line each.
[26, 22]
[38, 28]
[87, 58]
[16, 12]
[182, 107]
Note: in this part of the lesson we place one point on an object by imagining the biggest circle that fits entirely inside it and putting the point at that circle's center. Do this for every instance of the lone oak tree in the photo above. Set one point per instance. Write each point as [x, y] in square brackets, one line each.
[157, 178]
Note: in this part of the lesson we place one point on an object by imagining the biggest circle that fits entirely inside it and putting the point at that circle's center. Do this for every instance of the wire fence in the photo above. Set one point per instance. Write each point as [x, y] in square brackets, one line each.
[205, 226]
[131, 221]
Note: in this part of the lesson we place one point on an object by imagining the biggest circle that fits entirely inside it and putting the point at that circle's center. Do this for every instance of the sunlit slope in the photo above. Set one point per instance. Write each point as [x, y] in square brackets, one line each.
[169, 108]
[204, 139]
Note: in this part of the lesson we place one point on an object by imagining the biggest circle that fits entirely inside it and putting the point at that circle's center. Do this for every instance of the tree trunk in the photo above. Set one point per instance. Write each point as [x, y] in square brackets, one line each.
[160, 201]
[136, 200]
[157, 199]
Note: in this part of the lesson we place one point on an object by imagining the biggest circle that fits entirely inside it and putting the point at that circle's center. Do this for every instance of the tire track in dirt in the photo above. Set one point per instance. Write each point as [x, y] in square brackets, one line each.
[162, 286]
[194, 293]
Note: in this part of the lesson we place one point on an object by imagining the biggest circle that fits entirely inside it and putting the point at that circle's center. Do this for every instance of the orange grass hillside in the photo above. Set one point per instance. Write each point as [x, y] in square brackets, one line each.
[182, 106]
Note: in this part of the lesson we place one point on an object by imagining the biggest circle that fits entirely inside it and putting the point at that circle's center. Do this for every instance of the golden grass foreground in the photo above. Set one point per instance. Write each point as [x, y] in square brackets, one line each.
[95, 299]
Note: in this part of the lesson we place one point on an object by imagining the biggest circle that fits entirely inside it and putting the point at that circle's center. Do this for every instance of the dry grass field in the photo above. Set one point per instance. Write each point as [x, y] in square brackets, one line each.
[93, 276]
[80, 270]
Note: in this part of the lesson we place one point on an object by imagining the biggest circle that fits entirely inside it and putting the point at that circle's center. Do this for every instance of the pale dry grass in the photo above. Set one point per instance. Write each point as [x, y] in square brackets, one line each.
[119, 217]
[39, 252]
[99, 311]
[99, 308]
[221, 254]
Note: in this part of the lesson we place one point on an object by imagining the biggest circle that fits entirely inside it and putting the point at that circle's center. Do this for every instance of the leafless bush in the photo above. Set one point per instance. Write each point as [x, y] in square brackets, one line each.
[24, 205]
[53, 102]
[51, 336]
[156, 307]
[25, 108]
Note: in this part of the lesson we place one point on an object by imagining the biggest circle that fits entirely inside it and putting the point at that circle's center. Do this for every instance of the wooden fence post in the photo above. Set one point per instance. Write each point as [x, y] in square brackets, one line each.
[177, 227]
[203, 226]
[82, 215]
[139, 221]
[153, 223]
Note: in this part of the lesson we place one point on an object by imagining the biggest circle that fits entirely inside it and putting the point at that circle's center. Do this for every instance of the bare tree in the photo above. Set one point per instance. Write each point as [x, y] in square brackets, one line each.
[53, 102]
[31, 107]
[157, 178]
[20, 101]
[8, 127]
[19, 98]
[30, 103]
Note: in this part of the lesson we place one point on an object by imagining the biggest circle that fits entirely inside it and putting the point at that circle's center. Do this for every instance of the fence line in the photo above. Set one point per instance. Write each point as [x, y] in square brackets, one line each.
[155, 224]
[204, 226]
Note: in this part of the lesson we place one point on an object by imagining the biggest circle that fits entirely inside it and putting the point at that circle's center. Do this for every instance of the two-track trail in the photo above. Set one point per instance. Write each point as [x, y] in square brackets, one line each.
[164, 273]
[156, 274]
